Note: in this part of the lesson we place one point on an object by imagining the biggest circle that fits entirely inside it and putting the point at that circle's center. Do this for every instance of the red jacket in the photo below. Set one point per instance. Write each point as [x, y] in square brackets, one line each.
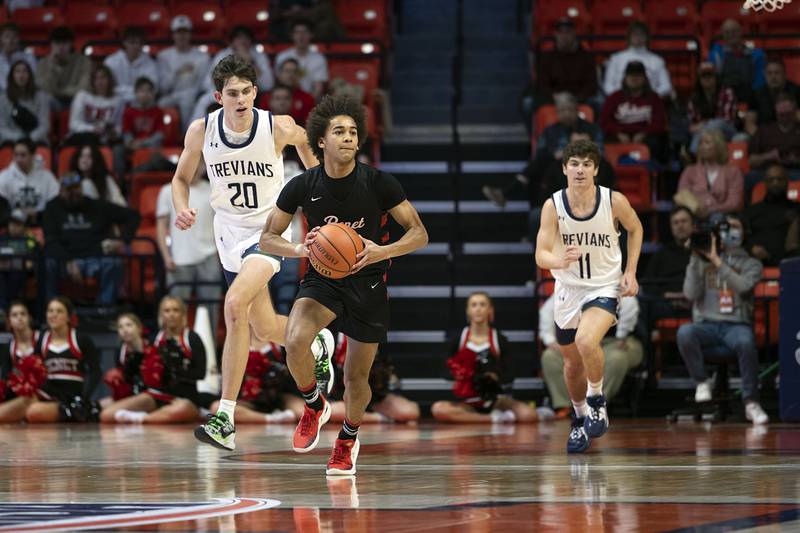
[623, 113]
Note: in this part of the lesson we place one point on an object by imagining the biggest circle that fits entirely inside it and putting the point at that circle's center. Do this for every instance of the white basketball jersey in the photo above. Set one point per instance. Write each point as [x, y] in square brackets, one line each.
[597, 238]
[245, 178]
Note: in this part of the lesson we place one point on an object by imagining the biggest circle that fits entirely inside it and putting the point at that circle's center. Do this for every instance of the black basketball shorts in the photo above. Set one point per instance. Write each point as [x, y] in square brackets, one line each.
[360, 303]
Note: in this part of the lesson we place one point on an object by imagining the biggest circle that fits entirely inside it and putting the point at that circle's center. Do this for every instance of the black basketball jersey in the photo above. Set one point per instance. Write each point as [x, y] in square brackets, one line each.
[361, 200]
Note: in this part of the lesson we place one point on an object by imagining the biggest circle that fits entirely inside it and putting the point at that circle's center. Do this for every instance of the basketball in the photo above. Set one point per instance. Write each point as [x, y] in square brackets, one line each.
[333, 252]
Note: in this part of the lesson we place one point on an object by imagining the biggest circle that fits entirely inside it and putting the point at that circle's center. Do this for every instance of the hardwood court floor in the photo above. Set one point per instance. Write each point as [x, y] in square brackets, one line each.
[643, 475]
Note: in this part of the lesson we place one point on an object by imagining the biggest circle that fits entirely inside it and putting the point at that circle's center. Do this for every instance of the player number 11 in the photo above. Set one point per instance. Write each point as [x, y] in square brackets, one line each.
[588, 267]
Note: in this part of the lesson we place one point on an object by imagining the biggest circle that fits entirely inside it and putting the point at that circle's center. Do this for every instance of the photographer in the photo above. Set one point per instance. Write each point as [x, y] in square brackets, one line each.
[719, 282]
[479, 367]
[170, 369]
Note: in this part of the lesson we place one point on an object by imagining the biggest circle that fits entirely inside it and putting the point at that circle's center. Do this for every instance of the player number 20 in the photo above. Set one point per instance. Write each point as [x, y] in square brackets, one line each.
[244, 194]
[588, 267]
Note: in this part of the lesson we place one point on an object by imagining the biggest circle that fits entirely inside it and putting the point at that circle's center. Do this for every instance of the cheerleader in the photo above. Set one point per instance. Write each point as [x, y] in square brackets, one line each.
[171, 366]
[125, 379]
[17, 373]
[73, 370]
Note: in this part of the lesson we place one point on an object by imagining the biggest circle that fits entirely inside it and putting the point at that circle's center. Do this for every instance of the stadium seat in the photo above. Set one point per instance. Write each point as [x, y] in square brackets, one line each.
[65, 154]
[546, 116]
[636, 152]
[672, 17]
[714, 13]
[364, 19]
[148, 197]
[140, 272]
[361, 71]
[208, 21]
[35, 23]
[253, 14]
[738, 155]
[151, 16]
[766, 312]
[783, 21]
[613, 17]
[90, 22]
[547, 13]
[142, 155]
[172, 127]
[43, 152]
[760, 191]
[792, 68]
[634, 182]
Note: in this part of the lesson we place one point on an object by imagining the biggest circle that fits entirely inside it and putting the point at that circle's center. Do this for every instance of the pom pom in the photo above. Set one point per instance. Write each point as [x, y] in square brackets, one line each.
[28, 376]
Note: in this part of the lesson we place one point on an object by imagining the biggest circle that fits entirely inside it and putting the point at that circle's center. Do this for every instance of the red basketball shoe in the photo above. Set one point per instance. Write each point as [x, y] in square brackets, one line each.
[343, 458]
[306, 435]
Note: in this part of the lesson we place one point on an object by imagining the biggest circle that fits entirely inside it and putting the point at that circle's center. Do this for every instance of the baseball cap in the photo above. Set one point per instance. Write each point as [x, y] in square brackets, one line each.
[565, 22]
[635, 67]
[68, 180]
[180, 22]
[18, 215]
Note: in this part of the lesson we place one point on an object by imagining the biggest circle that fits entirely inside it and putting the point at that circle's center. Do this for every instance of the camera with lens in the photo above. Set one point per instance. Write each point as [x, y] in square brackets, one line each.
[700, 241]
[487, 376]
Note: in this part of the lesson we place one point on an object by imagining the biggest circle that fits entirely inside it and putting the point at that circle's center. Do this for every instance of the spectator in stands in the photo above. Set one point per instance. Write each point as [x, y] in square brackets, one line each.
[73, 369]
[762, 106]
[14, 272]
[11, 52]
[740, 68]
[321, 13]
[280, 100]
[130, 63]
[623, 352]
[63, 72]
[479, 363]
[777, 142]
[180, 70]
[26, 184]
[142, 125]
[313, 65]
[78, 232]
[302, 102]
[769, 220]
[96, 115]
[567, 69]
[661, 287]
[96, 180]
[242, 41]
[24, 110]
[14, 363]
[172, 364]
[719, 282]
[635, 113]
[190, 257]
[655, 68]
[711, 106]
[711, 185]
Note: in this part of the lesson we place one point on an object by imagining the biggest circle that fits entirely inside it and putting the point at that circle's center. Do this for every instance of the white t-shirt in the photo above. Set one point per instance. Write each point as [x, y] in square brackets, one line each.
[171, 63]
[113, 194]
[194, 245]
[654, 66]
[313, 67]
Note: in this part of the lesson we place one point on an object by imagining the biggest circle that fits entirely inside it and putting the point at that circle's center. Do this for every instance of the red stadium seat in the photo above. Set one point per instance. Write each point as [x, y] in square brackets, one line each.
[714, 13]
[361, 71]
[151, 16]
[638, 152]
[364, 19]
[675, 17]
[253, 14]
[546, 115]
[65, 154]
[148, 197]
[547, 13]
[737, 155]
[90, 22]
[6, 156]
[782, 21]
[140, 276]
[792, 68]
[172, 127]
[35, 23]
[634, 182]
[208, 21]
[760, 191]
[613, 17]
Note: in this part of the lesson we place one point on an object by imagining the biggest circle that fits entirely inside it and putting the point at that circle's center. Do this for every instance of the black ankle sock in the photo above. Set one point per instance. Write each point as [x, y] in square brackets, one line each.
[349, 430]
[312, 397]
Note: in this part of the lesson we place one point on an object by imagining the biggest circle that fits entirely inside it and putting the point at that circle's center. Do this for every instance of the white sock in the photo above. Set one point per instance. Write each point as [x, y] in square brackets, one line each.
[581, 409]
[134, 417]
[277, 417]
[227, 407]
[595, 389]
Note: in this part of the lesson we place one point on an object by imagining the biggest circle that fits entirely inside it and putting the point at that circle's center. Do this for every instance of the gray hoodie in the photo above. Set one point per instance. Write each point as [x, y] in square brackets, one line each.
[739, 273]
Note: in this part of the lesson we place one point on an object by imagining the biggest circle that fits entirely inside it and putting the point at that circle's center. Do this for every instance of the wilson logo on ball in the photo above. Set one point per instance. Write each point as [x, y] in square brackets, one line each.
[335, 249]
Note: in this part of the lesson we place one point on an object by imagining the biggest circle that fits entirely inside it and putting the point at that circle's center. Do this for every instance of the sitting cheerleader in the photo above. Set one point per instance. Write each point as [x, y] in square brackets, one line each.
[125, 379]
[22, 371]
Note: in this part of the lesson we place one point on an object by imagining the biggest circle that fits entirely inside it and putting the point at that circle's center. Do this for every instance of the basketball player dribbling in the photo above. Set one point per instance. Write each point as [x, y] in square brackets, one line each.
[341, 190]
[578, 242]
[242, 147]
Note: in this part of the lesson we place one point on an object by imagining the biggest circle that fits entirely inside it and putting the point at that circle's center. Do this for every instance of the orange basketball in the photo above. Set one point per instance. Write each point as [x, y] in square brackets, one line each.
[333, 252]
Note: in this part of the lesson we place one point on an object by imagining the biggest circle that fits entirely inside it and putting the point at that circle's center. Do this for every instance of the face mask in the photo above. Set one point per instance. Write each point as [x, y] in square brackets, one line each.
[732, 238]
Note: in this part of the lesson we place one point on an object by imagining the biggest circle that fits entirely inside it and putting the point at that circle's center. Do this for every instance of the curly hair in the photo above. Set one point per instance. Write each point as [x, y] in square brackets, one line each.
[582, 148]
[328, 108]
[230, 66]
